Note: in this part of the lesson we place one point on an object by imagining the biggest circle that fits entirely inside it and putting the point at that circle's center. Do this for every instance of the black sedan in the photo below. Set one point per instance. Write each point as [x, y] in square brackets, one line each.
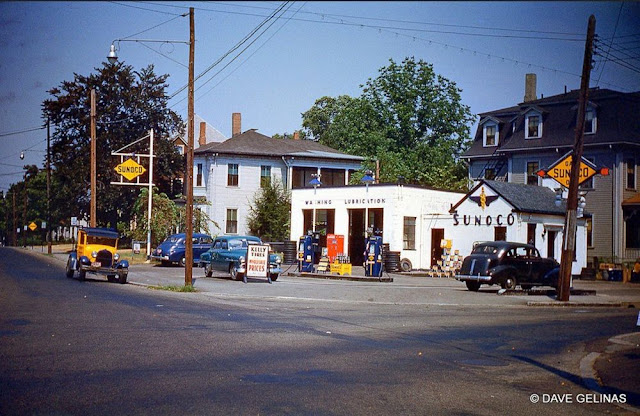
[508, 264]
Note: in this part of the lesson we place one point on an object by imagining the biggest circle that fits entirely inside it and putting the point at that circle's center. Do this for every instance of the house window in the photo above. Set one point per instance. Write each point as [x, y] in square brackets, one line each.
[301, 177]
[409, 234]
[589, 225]
[534, 126]
[631, 173]
[232, 175]
[199, 175]
[232, 221]
[265, 176]
[532, 173]
[633, 230]
[332, 177]
[590, 121]
[490, 135]
[180, 149]
[500, 234]
[490, 174]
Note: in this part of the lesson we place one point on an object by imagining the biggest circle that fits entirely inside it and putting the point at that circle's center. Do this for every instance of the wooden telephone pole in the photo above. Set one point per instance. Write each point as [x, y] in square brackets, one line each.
[92, 210]
[570, 225]
[188, 267]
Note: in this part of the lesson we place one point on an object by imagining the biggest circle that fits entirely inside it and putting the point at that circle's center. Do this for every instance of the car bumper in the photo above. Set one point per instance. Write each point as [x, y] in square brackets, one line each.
[472, 278]
[105, 270]
[159, 258]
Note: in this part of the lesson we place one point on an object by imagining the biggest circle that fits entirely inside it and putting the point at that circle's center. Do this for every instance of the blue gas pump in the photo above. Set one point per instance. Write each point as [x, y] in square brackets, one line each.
[307, 247]
[373, 256]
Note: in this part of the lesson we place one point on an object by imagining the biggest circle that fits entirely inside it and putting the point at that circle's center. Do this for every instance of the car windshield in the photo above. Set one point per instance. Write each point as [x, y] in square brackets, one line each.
[241, 243]
[485, 249]
[103, 241]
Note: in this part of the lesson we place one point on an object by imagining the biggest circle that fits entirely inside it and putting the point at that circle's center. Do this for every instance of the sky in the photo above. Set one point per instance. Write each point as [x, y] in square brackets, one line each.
[306, 51]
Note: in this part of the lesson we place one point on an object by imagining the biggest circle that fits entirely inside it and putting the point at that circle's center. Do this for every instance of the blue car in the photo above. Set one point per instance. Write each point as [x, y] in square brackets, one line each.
[172, 250]
[228, 254]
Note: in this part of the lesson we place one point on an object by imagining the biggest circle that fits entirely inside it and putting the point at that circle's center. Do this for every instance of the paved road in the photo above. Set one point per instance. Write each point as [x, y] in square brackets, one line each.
[304, 347]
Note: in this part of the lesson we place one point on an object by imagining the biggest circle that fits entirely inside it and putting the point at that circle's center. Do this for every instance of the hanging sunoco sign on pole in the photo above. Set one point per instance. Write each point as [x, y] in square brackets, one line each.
[130, 169]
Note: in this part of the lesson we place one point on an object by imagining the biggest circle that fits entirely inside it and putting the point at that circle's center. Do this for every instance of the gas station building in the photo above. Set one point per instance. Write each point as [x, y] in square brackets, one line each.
[426, 225]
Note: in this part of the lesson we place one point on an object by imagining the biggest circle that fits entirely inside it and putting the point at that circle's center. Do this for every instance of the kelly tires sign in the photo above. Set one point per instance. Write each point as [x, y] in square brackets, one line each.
[258, 261]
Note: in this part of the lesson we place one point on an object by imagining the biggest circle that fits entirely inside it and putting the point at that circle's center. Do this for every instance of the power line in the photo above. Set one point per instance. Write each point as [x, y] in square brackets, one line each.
[12, 133]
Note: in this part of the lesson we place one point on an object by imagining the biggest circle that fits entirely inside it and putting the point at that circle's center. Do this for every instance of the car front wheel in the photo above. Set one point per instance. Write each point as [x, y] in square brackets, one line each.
[472, 285]
[273, 277]
[509, 283]
[233, 271]
[69, 271]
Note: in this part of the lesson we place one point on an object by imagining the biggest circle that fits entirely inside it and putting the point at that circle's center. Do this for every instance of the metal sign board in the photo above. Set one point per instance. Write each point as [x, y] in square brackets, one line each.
[130, 169]
[33, 226]
[561, 170]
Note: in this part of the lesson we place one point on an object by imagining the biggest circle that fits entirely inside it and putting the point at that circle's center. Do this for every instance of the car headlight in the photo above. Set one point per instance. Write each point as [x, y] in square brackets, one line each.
[116, 257]
[94, 254]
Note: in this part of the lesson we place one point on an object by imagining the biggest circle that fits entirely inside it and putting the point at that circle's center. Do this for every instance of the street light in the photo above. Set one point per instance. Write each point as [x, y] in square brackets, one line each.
[112, 57]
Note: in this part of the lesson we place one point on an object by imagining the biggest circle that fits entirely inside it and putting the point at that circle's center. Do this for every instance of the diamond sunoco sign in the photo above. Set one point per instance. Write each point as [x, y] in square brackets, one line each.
[130, 169]
[561, 170]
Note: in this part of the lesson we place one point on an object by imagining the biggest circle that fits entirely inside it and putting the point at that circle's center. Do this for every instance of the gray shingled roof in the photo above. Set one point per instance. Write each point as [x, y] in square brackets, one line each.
[524, 198]
[616, 114]
[252, 143]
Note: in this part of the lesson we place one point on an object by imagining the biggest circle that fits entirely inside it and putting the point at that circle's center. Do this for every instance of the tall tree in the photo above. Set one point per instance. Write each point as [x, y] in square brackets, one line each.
[270, 212]
[409, 118]
[129, 104]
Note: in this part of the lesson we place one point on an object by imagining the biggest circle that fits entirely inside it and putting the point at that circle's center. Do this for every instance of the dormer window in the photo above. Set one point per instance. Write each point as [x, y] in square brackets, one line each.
[533, 123]
[490, 136]
[590, 121]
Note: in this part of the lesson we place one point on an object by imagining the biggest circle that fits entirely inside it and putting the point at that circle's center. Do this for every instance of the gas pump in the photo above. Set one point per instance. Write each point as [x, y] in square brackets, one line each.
[373, 256]
[307, 249]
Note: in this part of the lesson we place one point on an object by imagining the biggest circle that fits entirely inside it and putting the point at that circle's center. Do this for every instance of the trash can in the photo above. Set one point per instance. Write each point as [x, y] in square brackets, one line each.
[615, 275]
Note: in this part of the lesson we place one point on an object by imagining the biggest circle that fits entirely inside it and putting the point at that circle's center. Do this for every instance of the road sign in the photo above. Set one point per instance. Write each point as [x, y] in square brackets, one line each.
[560, 171]
[33, 226]
[130, 169]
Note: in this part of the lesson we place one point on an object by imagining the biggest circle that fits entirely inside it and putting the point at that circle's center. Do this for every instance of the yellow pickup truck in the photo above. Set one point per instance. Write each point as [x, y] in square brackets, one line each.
[95, 252]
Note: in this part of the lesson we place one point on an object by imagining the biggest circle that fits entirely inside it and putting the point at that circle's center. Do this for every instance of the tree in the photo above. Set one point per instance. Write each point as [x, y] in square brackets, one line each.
[129, 103]
[270, 213]
[408, 118]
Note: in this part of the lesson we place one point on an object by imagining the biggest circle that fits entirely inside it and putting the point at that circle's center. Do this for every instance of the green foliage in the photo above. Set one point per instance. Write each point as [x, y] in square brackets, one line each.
[164, 218]
[408, 118]
[128, 104]
[270, 213]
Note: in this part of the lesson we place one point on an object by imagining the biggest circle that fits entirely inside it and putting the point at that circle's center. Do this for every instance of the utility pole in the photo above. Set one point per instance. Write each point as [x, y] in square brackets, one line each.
[92, 210]
[570, 225]
[48, 188]
[188, 267]
[15, 219]
[24, 212]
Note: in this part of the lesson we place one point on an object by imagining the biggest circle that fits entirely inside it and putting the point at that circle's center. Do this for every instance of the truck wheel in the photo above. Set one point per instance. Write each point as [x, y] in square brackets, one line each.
[472, 285]
[208, 270]
[123, 278]
[69, 271]
[509, 283]
[274, 277]
[233, 271]
[82, 274]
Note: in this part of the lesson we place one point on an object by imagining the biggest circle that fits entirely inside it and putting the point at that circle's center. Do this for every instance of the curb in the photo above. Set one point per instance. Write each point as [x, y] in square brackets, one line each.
[558, 304]
[343, 277]
[590, 376]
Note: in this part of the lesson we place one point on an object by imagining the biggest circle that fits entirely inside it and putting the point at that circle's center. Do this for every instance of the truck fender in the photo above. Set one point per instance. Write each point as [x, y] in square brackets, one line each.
[84, 260]
[73, 258]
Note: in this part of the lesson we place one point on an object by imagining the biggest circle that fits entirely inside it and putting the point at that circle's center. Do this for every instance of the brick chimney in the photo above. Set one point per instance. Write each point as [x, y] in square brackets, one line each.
[236, 124]
[202, 140]
[530, 87]
[296, 135]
